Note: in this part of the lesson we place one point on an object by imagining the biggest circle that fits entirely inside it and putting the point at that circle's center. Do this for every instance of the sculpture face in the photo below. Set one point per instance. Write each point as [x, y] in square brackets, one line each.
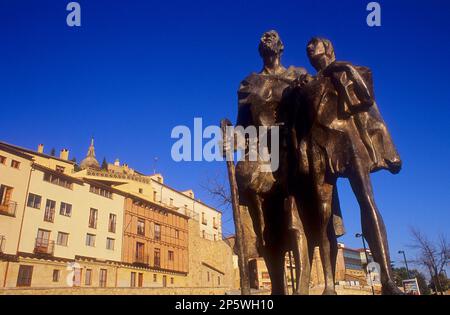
[270, 44]
[319, 55]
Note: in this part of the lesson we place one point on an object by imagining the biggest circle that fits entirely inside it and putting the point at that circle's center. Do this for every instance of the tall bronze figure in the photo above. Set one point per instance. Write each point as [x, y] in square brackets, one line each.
[264, 194]
[340, 133]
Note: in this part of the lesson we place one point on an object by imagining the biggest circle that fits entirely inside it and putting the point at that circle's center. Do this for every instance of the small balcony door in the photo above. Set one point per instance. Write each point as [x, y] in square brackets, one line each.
[77, 277]
[43, 239]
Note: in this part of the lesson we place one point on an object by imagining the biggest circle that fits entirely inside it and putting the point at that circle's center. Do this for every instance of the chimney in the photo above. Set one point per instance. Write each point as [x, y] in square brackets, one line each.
[40, 148]
[64, 154]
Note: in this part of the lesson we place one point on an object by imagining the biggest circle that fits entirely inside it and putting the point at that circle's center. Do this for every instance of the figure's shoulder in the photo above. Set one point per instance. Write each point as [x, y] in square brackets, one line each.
[296, 71]
[252, 77]
[293, 73]
[251, 80]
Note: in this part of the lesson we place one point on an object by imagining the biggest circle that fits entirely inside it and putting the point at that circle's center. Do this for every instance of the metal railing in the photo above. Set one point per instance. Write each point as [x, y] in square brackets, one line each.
[141, 259]
[44, 246]
[2, 243]
[8, 208]
[157, 262]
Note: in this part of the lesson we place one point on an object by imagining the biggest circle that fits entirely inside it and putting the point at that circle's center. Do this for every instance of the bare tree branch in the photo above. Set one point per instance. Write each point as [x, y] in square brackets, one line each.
[218, 188]
[433, 257]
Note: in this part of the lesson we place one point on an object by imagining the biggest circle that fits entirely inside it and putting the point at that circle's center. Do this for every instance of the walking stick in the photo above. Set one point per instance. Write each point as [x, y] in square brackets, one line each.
[241, 250]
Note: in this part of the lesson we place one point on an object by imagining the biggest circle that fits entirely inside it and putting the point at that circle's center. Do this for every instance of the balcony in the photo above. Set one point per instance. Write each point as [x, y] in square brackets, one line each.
[8, 208]
[44, 246]
[2, 244]
[141, 259]
[204, 221]
[157, 263]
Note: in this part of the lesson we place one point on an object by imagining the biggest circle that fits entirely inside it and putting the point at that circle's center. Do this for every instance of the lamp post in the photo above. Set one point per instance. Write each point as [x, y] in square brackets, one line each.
[367, 260]
[406, 262]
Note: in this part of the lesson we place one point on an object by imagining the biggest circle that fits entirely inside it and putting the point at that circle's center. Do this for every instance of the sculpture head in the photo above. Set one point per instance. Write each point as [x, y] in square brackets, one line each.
[270, 45]
[320, 52]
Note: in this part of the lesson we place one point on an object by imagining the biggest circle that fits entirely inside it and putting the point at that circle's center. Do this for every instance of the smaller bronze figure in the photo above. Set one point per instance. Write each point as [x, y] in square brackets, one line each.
[341, 133]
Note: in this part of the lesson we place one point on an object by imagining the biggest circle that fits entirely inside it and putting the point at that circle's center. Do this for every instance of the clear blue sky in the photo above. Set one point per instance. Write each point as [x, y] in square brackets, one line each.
[135, 69]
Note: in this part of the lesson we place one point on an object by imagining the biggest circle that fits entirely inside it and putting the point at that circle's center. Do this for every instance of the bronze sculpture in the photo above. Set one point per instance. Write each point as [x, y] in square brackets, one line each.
[330, 128]
[261, 193]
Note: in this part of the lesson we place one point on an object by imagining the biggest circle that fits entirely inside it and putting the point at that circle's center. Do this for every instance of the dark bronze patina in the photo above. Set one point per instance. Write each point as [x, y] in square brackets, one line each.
[330, 128]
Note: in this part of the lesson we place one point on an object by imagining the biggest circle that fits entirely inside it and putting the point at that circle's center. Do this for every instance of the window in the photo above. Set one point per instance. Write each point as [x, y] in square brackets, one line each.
[157, 231]
[177, 234]
[60, 169]
[157, 257]
[15, 164]
[140, 253]
[7, 206]
[164, 281]
[218, 280]
[43, 244]
[171, 280]
[65, 209]
[133, 280]
[88, 277]
[93, 214]
[24, 276]
[103, 277]
[110, 243]
[154, 196]
[204, 219]
[56, 274]
[171, 201]
[171, 255]
[141, 227]
[215, 223]
[112, 223]
[155, 277]
[90, 240]
[57, 180]
[140, 280]
[203, 234]
[2, 160]
[208, 275]
[62, 239]
[100, 191]
[141, 191]
[50, 207]
[34, 201]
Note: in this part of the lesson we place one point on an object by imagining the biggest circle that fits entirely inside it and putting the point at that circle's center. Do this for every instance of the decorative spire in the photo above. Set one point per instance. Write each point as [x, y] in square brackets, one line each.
[90, 161]
[91, 151]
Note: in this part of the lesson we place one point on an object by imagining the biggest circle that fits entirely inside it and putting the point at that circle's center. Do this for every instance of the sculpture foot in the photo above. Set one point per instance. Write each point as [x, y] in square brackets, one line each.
[329, 291]
[389, 288]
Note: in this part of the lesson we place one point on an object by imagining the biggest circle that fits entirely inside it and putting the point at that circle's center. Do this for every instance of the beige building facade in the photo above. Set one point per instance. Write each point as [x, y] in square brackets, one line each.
[62, 226]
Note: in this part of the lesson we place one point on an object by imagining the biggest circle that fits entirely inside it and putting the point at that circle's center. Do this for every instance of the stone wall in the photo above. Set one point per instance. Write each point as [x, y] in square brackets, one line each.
[209, 261]
[113, 291]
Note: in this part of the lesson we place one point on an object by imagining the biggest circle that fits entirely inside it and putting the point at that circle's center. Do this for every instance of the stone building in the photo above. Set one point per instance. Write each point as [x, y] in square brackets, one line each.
[63, 226]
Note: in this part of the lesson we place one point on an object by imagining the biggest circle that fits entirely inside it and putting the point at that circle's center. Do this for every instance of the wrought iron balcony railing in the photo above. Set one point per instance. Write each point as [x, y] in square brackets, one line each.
[157, 262]
[141, 259]
[8, 208]
[44, 246]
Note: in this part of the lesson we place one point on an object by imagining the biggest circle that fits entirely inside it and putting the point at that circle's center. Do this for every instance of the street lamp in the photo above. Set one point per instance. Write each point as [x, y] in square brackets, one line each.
[367, 260]
[406, 262]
